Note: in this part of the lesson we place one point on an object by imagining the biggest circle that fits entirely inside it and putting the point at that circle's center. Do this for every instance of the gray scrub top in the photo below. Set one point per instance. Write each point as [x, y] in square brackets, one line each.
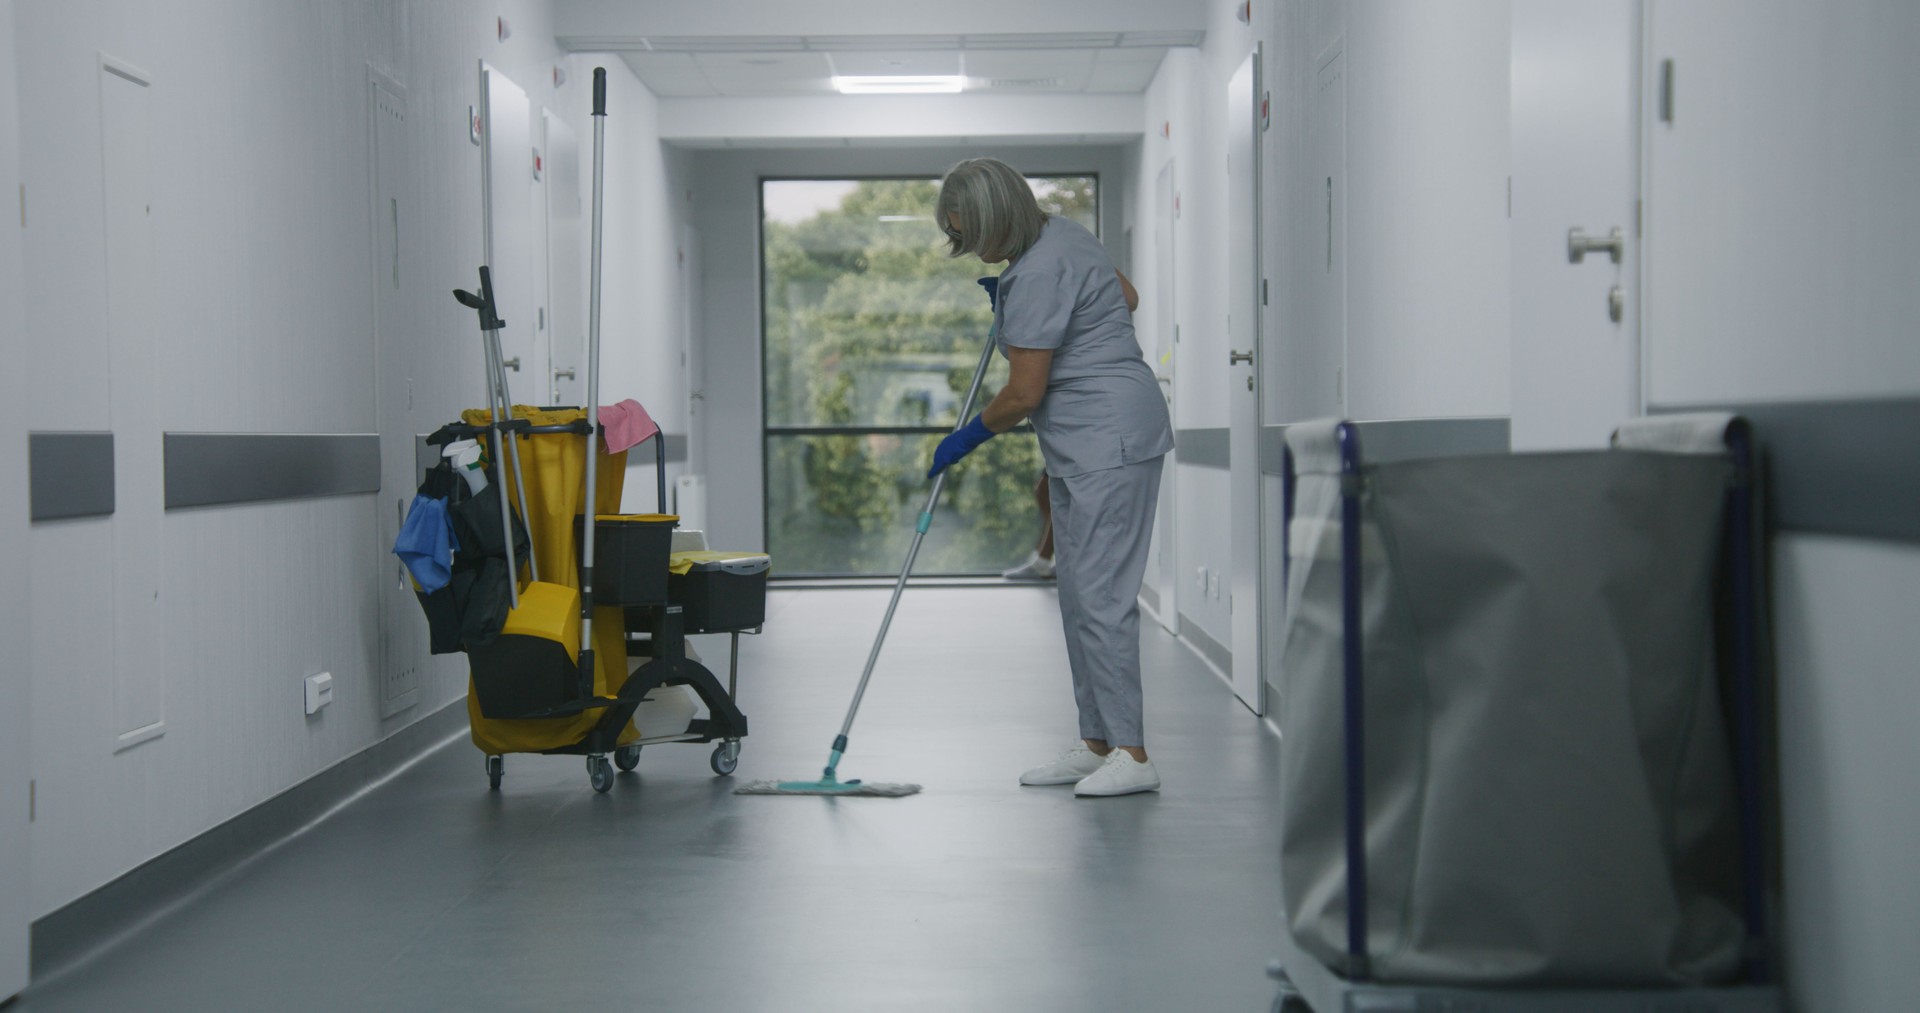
[1103, 406]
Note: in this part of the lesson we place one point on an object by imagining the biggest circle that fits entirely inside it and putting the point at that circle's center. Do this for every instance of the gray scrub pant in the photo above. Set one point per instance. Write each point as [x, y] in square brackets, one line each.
[1102, 527]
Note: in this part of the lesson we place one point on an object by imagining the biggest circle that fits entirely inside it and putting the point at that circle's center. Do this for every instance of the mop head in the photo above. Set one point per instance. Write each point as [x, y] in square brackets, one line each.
[824, 787]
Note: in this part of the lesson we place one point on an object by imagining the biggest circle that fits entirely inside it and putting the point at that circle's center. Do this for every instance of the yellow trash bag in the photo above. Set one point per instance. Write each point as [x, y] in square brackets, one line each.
[542, 636]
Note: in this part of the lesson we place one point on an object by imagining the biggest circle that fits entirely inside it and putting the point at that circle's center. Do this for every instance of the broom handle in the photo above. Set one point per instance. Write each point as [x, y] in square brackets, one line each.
[919, 533]
[592, 507]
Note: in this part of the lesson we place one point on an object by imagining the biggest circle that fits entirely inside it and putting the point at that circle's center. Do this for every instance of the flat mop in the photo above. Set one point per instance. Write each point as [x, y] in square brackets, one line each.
[829, 783]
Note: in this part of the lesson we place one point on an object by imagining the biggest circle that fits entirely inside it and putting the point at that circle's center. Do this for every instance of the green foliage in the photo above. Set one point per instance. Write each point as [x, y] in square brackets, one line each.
[869, 323]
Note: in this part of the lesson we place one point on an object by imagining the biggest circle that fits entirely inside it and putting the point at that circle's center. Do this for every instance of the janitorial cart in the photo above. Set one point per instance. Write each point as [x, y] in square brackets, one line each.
[571, 625]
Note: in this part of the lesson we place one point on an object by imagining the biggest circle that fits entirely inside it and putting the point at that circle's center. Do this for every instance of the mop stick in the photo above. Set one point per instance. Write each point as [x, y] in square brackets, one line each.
[829, 784]
[593, 386]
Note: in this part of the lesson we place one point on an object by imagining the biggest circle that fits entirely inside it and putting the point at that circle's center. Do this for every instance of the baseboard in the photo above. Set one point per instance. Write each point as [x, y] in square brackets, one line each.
[1211, 651]
[64, 937]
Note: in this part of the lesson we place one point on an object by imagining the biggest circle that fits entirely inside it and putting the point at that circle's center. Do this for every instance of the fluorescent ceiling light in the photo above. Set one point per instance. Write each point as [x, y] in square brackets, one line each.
[891, 84]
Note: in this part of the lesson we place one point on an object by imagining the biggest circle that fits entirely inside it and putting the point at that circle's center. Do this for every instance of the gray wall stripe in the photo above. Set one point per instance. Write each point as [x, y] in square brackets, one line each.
[1207, 448]
[70, 475]
[205, 469]
[71, 933]
[1837, 467]
[1406, 440]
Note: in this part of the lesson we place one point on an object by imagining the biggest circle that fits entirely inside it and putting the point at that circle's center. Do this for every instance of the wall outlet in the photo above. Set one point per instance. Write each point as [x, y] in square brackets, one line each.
[1213, 586]
[1200, 578]
[319, 691]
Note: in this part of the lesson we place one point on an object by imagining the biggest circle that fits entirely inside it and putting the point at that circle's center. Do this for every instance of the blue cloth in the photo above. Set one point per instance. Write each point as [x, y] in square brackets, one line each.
[959, 444]
[426, 543]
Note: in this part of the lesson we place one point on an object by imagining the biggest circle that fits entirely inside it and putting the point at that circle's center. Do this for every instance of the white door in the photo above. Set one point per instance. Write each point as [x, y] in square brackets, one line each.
[1166, 209]
[1243, 386]
[396, 231]
[1576, 165]
[692, 360]
[508, 195]
[1305, 371]
[566, 252]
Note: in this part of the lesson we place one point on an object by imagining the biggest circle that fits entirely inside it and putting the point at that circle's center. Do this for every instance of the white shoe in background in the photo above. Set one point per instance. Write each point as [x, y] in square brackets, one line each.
[1072, 766]
[1120, 774]
[1035, 568]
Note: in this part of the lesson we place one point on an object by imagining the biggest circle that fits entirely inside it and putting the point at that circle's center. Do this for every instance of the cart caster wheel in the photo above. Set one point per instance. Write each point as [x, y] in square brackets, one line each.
[627, 757]
[495, 767]
[726, 756]
[600, 772]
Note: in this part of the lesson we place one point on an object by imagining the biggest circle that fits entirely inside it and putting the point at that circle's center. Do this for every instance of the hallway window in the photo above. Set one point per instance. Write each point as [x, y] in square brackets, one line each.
[870, 334]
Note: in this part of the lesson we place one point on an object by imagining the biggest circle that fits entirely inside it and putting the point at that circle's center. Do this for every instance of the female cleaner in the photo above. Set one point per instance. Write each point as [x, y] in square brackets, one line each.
[1066, 328]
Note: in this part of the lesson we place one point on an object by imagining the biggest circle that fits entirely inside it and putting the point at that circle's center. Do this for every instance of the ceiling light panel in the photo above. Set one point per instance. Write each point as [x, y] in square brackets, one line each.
[1070, 68]
[900, 84]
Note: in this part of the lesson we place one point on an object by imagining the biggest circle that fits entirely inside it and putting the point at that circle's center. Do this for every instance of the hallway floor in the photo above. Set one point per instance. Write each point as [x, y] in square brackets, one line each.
[670, 893]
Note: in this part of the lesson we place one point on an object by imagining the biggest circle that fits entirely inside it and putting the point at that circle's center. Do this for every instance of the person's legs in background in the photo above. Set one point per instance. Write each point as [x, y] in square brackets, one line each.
[1039, 564]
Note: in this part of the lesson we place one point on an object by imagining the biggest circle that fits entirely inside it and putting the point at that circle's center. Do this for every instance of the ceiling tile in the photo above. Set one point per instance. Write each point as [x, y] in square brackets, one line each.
[1050, 40]
[868, 43]
[1124, 71]
[898, 61]
[737, 75]
[669, 75]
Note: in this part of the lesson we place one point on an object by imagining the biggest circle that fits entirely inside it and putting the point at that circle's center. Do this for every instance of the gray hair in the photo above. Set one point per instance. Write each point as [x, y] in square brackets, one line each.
[998, 216]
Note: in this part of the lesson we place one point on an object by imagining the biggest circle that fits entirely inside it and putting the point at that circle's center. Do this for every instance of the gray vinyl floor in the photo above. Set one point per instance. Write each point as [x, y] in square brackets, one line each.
[670, 893]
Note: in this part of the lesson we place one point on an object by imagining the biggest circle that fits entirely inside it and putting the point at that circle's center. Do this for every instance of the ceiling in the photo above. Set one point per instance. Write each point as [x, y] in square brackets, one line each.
[1116, 63]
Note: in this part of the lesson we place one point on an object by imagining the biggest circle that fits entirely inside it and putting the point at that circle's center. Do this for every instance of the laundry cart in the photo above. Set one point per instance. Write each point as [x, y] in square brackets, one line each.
[1520, 745]
[526, 695]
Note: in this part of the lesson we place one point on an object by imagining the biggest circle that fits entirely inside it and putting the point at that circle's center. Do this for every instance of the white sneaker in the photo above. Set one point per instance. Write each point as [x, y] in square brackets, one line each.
[1072, 766]
[1034, 568]
[1121, 774]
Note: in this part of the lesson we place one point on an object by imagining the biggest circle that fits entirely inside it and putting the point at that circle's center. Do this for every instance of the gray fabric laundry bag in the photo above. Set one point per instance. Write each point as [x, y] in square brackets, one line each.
[1549, 795]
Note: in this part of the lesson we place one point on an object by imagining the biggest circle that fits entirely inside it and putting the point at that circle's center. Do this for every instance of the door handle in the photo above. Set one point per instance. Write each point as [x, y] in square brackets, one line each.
[558, 373]
[1579, 244]
[513, 363]
[1235, 358]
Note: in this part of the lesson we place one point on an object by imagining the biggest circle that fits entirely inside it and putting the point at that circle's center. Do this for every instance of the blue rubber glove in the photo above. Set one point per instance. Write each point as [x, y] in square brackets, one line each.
[959, 444]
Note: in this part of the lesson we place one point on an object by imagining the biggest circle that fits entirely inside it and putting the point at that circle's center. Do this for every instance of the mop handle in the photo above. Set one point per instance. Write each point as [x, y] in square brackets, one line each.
[490, 324]
[592, 505]
[919, 533]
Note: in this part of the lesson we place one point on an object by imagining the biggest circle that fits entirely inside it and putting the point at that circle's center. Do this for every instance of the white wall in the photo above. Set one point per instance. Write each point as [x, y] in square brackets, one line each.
[16, 755]
[1428, 277]
[646, 204]
[726, 199]
[1185, 120]
[263, 323]
[1779, 214]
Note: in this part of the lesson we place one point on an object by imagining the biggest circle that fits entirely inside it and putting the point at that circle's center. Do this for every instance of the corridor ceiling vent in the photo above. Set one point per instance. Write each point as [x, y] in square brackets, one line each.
[899, 84]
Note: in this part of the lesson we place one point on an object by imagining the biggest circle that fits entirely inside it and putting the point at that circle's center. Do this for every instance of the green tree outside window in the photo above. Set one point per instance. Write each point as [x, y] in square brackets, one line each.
[869, 325]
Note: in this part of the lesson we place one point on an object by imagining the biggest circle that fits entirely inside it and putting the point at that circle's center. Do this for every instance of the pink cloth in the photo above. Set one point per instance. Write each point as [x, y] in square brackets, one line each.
[626, 425]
